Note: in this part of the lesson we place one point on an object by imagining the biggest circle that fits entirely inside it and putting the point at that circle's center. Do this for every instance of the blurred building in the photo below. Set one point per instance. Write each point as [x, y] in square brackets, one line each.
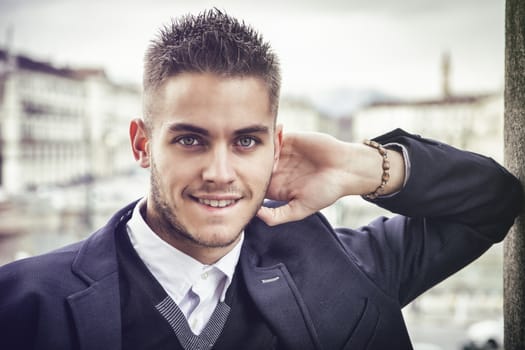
[472, 122]
[298, 114]
[60, 125]
[301, 115]
[469, 121]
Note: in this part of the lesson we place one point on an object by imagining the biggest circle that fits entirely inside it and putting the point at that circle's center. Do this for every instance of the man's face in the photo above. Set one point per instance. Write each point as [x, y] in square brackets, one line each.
[212, 150]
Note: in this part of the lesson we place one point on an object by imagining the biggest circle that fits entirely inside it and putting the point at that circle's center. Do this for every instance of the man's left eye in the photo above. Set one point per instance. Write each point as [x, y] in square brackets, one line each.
[246, 142]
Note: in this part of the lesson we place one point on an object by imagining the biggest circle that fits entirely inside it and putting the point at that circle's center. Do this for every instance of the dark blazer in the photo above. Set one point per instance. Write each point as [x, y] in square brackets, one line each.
[318, 287]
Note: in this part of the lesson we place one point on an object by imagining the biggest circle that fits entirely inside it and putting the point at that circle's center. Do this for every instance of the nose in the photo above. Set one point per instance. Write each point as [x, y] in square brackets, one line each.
[219, 168]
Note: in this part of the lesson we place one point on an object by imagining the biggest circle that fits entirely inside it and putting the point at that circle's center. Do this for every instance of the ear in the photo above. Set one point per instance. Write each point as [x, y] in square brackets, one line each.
[140, 142]
[278, 143]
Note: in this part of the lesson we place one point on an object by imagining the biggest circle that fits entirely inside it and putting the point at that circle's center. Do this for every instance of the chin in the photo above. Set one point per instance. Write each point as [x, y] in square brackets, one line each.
[218, 242]
[216, 236]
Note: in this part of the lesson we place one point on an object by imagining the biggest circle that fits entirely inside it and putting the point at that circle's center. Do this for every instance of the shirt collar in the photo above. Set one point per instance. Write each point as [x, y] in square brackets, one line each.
[160, 258]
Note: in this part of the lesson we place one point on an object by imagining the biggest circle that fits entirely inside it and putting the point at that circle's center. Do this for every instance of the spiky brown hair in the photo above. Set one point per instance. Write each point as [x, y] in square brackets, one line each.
[213, 42]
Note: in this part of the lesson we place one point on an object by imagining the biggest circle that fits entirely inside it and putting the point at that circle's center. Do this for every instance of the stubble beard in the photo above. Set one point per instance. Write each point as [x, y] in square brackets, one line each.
[170, 226]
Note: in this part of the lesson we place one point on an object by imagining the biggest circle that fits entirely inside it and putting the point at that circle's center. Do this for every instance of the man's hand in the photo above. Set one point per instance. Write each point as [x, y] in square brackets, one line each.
[315, 170]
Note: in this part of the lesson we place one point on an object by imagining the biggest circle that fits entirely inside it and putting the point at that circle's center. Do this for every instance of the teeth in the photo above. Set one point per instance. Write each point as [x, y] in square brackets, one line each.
[216, 203]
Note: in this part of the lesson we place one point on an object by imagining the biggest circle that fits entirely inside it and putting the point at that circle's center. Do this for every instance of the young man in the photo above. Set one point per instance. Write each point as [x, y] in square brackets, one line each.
[199, 264]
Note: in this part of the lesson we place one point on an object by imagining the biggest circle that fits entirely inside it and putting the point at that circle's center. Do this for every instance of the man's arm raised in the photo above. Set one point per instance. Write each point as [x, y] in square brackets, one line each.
[315, 170]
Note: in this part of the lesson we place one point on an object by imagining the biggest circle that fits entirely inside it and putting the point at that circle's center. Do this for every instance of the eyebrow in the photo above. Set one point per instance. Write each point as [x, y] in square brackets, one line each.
[177, 127]
[253, 129]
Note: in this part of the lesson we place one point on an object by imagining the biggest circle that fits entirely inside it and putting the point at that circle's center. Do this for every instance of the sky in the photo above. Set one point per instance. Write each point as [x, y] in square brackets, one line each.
[390, 46]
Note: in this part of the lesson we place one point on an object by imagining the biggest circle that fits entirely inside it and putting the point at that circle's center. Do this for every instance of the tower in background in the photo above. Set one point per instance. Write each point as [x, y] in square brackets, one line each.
[445, 75]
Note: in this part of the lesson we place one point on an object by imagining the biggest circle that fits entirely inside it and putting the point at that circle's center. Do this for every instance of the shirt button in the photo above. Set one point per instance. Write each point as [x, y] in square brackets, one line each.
[204, 276]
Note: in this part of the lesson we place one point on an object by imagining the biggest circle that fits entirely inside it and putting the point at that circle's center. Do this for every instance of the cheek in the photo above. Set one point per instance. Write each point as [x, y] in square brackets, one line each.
[259, 172]
[174, 176]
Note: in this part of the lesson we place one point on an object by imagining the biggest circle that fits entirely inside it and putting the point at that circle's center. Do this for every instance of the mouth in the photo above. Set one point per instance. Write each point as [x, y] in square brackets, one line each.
[217, 203]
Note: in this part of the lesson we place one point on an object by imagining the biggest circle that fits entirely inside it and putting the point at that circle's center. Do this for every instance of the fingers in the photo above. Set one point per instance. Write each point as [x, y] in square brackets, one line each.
[282, 214]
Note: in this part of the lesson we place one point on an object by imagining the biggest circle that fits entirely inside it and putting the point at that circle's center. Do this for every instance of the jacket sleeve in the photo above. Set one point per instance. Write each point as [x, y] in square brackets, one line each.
[453, 207]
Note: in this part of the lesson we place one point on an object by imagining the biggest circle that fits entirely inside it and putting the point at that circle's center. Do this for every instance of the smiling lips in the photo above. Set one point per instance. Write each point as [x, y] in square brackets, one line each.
[217, 203]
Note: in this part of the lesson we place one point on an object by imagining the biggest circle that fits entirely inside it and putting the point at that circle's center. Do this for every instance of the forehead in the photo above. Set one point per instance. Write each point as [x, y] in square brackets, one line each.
[208, 99]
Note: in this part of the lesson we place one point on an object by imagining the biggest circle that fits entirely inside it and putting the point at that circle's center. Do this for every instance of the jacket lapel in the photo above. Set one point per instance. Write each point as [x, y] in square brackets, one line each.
[96, 309]
[279, 301]
[96, 315]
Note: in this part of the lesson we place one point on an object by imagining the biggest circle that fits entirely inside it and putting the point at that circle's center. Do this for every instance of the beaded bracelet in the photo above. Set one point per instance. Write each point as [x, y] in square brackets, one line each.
[386, 167]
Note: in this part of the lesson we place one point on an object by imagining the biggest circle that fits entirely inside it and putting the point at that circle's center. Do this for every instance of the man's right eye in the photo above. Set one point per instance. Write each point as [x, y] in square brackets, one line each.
[188, 141]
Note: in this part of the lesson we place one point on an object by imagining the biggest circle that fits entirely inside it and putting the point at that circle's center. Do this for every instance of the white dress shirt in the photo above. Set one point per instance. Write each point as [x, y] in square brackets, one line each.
[195, 288]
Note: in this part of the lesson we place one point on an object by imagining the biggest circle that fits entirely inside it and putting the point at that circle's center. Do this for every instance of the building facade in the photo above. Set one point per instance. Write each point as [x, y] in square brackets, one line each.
[60, 126]
[471, 122]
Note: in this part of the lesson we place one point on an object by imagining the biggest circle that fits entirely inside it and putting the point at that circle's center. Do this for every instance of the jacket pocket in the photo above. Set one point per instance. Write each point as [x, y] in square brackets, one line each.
[365, 329]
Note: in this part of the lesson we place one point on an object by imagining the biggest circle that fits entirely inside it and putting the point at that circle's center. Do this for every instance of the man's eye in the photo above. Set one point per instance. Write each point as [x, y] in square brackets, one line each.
[246, 141]
[188, 141]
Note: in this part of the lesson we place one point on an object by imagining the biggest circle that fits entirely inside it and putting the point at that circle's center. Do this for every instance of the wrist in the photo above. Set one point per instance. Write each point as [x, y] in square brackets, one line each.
[365, 171]
[385, 166]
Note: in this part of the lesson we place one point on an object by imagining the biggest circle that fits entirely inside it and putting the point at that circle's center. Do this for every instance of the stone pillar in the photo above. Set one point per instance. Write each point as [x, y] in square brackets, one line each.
[514, 131]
